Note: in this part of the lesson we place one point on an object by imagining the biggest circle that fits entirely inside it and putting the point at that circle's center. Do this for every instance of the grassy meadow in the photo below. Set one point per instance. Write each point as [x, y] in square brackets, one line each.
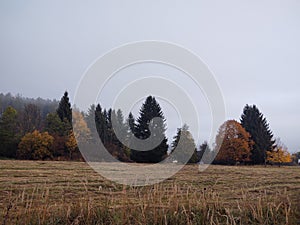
[41, 192]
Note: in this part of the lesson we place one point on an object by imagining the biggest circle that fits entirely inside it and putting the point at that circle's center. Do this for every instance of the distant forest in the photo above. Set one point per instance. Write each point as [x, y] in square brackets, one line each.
[18, 103]
[39, 129]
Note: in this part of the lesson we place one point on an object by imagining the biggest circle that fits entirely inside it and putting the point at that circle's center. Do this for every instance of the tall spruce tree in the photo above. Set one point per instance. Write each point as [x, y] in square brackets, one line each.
[150, 110]
[131, 128]
[257, 126]
[121, 128]
[59, 125]
[107, 124]
[205, 154]
[101, 125]
[185, 146]
[64, 109]
[130, 124]
[90, 121]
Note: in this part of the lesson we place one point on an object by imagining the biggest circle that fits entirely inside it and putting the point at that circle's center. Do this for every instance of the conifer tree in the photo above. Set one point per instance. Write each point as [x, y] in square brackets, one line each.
[131, 122]
[120, 127]
[54, 125]
[185, 146]
[130, 125]
[257, 126]
[101, 124]
[150, 110]
[59, 125]
[205, 154]
[64, 110]
[91, 122]
[131, 128]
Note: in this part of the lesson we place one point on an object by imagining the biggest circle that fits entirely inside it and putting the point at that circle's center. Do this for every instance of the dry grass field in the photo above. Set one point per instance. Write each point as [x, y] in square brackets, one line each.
[39, 192]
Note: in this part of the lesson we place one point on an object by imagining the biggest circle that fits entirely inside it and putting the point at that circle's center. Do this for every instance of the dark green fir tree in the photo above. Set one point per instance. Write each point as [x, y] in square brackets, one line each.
[256, 124]
[185, 146]
[64, 110]
[146, 122]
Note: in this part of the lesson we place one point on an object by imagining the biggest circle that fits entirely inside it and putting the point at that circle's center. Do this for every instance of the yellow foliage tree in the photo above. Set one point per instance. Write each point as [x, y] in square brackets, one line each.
[71, 144]
[80, 129]
[35, 145]
[80, 133]
[280, 154]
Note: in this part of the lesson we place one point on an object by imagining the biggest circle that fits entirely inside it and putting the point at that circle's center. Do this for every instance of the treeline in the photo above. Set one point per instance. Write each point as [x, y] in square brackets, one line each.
[35, 129]
[42, 130]
[18, 103]
[251, 141]
[124, 147]
[27, 134]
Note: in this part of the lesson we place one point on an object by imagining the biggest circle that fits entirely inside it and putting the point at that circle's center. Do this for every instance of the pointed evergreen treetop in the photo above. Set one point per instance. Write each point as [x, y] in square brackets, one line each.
[185, 146]
[131, 122]
[256, 124]
[149, 110]
[146, 122]
[64, 109]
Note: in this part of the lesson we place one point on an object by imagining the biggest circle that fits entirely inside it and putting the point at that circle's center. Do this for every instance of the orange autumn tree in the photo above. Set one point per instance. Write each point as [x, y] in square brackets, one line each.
[280, 154]
[234, 144]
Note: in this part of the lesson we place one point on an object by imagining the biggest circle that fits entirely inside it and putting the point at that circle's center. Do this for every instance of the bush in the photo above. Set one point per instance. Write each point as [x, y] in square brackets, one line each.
[35, 145]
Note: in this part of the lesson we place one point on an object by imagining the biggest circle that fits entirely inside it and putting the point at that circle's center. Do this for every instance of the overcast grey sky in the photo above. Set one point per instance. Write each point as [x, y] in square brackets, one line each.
[252, 47]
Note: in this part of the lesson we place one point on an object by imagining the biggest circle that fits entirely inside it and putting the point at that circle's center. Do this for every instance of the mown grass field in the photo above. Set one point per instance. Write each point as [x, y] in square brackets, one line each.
[38, 192]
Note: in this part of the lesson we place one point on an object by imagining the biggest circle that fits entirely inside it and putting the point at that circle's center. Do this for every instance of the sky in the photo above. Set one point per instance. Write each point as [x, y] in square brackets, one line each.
[252, 48]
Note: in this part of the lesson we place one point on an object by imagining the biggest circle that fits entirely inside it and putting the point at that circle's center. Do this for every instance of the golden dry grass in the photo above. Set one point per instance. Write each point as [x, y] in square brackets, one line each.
[38, 192]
